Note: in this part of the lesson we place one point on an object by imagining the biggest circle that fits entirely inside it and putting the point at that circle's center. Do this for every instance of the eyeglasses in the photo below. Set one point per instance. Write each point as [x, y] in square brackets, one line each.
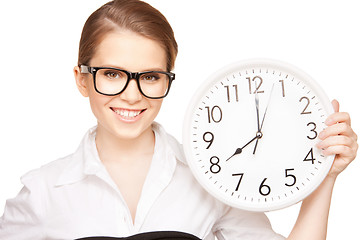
[113, 81]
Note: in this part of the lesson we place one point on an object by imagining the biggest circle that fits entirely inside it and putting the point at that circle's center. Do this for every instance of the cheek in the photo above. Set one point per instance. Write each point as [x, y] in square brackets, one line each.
[98, 103]
[156, 105]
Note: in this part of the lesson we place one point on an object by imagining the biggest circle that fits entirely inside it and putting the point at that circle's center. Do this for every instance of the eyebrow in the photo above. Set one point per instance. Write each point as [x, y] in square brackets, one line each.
[122, 68]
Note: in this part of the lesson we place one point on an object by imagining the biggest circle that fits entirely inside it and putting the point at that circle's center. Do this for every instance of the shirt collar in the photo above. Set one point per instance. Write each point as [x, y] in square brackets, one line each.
[172, 146]
[85, 161]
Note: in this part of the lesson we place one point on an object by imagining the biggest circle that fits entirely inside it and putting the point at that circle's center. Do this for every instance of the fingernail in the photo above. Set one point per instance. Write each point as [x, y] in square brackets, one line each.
[322, 135]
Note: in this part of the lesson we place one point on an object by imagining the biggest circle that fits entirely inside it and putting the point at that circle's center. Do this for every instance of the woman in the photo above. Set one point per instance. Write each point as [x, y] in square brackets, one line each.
[128, 175]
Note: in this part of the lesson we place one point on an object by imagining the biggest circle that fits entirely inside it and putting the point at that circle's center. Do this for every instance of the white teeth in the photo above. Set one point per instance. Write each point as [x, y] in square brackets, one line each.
[127, 113]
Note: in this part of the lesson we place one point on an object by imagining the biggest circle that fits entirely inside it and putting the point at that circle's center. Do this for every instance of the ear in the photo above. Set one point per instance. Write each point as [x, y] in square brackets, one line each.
[81, 82]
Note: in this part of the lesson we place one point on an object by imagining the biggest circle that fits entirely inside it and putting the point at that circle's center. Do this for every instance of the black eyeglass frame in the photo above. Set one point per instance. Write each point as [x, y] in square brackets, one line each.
[130, 75]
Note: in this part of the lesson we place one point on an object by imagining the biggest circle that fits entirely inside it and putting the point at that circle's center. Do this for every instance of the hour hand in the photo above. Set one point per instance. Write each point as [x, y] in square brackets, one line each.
[239, 150]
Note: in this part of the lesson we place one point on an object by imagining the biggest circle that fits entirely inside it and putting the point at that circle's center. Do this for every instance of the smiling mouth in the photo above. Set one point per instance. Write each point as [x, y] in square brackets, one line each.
[127, 113]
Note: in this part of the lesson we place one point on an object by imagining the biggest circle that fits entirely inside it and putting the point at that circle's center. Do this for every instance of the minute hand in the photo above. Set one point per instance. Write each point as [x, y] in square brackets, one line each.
[257, 110]
[262, 123]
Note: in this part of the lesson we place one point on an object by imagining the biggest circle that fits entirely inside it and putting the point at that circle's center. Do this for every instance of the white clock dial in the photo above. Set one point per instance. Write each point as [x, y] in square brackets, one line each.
[250, 133]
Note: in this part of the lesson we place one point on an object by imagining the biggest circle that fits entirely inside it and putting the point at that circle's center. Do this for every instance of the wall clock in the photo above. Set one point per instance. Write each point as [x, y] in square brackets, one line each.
[250, 131]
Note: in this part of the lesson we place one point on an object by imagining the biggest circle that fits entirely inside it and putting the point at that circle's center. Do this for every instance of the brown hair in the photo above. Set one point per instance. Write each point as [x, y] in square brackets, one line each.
[133, 15]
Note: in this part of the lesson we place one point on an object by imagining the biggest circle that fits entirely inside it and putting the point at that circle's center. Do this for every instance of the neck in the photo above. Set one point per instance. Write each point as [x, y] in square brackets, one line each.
[114, 149]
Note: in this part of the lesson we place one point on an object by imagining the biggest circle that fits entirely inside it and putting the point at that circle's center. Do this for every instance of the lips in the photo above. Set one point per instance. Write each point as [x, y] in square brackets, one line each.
[128, 114]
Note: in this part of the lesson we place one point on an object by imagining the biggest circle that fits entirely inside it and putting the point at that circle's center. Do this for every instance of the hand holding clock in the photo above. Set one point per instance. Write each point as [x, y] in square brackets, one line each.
[340, 139]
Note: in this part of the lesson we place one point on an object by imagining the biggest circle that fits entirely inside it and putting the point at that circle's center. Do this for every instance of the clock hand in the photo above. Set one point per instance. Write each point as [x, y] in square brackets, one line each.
[272, 88]
[239, 150]
[260, 134]
[257, 109]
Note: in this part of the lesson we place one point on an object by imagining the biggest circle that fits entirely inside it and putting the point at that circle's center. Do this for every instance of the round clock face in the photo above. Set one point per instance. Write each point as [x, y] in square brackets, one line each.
[250, 133]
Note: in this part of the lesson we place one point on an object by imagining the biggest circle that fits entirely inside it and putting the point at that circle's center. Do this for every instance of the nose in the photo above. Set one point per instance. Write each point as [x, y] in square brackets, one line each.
[132, 93]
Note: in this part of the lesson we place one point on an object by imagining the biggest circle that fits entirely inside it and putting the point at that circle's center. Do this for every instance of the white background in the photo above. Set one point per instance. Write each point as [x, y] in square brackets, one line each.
[43, 117]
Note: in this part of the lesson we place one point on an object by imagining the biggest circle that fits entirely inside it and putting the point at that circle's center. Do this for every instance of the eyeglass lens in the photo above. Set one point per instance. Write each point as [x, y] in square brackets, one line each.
[112, 81]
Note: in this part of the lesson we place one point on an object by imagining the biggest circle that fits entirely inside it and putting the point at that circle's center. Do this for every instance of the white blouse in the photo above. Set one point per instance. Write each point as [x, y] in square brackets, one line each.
[75, 197]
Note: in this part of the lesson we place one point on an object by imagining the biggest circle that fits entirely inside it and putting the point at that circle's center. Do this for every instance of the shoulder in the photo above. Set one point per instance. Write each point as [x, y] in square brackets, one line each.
[68, 169]
[47, 174]
[28, 208]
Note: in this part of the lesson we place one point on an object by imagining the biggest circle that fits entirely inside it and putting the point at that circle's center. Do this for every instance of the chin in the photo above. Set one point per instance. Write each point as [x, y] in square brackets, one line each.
[131, 132]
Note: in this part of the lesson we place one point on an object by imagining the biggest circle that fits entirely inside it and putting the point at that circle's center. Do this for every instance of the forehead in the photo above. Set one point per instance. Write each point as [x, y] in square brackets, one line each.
[130, 51]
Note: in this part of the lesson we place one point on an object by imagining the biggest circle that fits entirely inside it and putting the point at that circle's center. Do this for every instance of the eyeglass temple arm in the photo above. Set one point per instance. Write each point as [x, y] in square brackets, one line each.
[85, 69]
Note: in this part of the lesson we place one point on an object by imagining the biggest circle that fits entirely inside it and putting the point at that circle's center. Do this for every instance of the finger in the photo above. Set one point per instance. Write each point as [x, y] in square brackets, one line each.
[337, 129]
[335, 105]
[335, 140]
[342, 150]
[337, 118]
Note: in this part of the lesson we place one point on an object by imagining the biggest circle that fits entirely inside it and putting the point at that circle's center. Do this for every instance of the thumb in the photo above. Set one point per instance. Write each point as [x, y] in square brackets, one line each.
[335, 105]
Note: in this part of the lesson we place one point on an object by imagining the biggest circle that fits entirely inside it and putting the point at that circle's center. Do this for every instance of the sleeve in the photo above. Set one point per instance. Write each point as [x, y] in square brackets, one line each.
[22, 215]
[237, 224]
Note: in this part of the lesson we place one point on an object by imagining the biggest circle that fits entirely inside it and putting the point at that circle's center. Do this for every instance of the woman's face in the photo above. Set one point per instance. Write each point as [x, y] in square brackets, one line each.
[129, 114]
